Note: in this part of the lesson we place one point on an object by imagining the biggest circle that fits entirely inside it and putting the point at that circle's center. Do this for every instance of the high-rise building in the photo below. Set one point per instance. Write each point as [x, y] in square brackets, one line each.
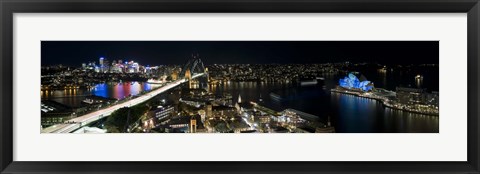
[101, 62]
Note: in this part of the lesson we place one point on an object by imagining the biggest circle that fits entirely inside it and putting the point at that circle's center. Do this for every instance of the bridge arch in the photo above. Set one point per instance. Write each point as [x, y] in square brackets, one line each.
[195, 65]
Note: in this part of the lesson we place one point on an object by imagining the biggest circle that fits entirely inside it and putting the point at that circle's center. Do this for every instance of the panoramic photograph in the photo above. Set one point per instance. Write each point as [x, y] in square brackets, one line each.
[239, 87]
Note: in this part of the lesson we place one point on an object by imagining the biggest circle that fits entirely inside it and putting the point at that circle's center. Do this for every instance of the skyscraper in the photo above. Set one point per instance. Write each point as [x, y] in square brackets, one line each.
[101, 63]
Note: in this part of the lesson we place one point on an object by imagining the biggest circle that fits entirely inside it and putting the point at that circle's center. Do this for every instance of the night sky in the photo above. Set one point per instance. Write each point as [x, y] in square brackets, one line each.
[74, 53]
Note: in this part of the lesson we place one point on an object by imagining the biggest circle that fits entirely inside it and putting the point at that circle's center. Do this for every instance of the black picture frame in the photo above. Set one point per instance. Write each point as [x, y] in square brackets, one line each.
[9, 7]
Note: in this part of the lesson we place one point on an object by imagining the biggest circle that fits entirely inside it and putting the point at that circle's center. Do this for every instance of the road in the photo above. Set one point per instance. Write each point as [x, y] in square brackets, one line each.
[78, 122]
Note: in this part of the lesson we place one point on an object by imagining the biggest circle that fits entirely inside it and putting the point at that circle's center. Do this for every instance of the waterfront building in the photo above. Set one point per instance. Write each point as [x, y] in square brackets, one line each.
[411, 95]
[352, 82]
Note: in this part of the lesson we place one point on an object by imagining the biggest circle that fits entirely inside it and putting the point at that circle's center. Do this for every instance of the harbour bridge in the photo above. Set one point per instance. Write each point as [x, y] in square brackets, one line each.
[192, 67]
[192, 70]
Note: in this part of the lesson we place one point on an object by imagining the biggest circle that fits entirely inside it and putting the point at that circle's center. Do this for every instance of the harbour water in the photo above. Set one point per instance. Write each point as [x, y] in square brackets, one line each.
[74, 97]
[347, 113]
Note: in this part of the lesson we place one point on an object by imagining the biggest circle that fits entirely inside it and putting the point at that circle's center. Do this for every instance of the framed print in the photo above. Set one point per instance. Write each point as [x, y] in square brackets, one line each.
[239, 87]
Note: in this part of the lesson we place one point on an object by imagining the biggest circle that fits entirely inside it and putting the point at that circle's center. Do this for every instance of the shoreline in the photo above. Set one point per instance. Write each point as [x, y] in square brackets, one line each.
[384, 104]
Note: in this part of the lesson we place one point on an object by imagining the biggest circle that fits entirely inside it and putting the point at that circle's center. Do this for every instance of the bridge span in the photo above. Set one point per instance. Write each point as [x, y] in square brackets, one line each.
[76, 123]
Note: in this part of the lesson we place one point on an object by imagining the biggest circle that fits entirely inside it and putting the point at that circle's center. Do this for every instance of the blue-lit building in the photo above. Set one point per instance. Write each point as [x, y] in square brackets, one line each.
[352, 82]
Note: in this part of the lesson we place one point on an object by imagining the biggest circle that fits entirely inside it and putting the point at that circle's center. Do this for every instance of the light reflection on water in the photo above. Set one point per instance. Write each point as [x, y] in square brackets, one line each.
[356, 114]
[349, 114]
[74, 97]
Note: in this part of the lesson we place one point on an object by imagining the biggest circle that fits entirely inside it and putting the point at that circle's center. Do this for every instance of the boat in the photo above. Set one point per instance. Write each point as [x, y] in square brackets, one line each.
[309, 82]
[88, 101]
[276, 96]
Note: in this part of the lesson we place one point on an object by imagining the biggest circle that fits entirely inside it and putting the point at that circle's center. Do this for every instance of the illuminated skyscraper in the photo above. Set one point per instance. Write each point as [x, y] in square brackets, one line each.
[101, 64]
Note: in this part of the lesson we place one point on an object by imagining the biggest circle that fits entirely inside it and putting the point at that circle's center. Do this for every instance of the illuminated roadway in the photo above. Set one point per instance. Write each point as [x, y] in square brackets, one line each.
[83, 120]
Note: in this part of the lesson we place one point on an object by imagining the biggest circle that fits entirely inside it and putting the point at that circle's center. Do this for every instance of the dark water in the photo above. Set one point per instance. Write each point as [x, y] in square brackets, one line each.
[74, 97]
[349, 114]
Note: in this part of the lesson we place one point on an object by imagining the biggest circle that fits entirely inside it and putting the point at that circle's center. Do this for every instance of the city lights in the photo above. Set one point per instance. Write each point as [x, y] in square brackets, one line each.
[285, 92]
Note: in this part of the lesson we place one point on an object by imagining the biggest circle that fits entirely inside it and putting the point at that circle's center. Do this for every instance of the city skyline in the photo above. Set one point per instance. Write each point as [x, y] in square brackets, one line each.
[74, 53]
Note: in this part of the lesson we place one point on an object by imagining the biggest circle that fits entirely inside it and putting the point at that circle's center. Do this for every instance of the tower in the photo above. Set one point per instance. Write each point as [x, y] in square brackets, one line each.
[207, 80]
[188, 76]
